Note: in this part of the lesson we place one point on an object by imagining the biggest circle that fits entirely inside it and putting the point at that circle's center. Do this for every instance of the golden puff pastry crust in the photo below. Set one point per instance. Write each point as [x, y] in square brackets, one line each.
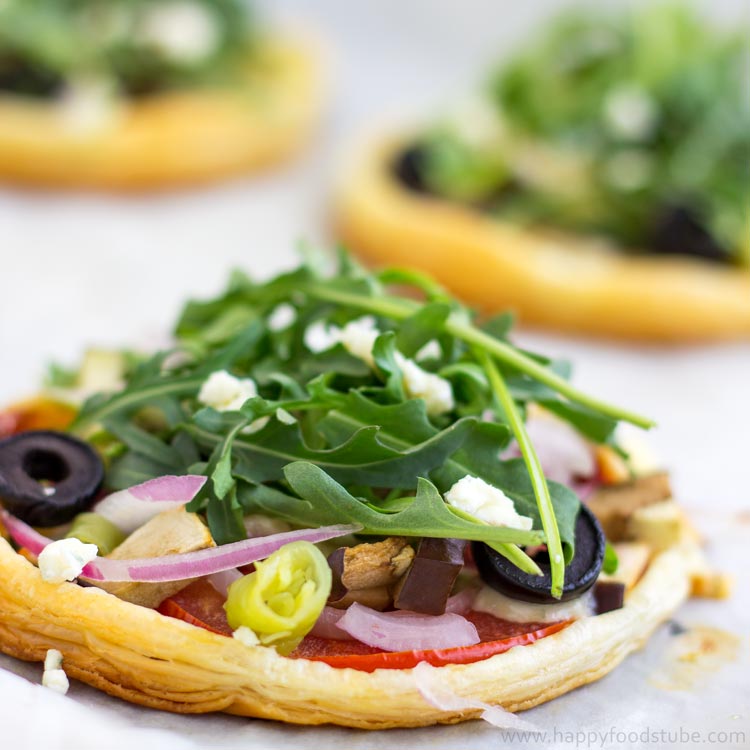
[173, 138]
[563, 281]
[144, 657]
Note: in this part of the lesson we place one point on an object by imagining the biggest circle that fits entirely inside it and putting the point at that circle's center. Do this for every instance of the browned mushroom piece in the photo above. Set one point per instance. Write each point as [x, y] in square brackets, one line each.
[169, 533]
[366, 573]
[615, 504]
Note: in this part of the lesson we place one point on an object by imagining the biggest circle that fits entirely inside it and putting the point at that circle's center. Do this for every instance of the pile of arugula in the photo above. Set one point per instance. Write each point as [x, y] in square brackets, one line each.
[343, 443]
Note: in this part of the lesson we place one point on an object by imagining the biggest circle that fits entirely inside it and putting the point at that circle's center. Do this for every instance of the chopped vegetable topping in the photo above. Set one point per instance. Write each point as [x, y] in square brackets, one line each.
[336, 429]
[634, 125]
[135, 47]
[283, 598]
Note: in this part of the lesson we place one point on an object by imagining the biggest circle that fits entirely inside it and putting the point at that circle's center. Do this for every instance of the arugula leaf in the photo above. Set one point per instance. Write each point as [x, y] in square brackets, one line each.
[322, 499]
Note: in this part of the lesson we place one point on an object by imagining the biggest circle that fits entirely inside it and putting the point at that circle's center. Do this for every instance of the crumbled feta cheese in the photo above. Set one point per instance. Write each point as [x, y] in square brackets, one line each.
[87, 104]
[285, 417]
[418, 383]
[64, 559]
[476, 497]
[54, 677]
[53, 659]
[246, 636]
[224, 392]
[281, 317]
[431, 350]
[358, 337]
[629, 112]
[181, 30]
[319, 337]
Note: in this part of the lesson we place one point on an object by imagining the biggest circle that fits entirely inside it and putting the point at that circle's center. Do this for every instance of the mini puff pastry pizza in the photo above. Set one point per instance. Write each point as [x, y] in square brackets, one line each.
[139, 94]
[333, 504]
[597, 184]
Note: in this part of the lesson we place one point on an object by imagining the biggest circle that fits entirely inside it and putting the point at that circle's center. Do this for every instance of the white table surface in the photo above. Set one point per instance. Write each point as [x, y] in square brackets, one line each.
[87, 270]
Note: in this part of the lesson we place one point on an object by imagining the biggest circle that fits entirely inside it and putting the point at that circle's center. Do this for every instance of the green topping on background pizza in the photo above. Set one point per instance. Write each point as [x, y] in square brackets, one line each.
[635, 126]
[134, 47]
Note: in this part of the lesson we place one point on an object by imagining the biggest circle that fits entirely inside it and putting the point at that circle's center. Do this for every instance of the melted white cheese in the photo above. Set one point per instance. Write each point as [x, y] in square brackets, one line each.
[504, 608]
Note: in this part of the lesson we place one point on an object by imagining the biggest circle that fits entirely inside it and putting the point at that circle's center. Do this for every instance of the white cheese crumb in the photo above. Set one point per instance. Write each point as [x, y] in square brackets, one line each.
[183, 31]
[246, 636]
[358, 337]
[64, 559]
[630, 112]
[431, 350]
[54, 677]
[476, 497]
[319, 337]
[87, 104]
[418, 383]
[281, 317]
[224, 392]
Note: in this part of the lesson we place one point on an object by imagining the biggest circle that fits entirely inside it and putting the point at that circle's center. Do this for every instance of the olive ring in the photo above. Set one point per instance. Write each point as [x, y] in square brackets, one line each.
[47, 478]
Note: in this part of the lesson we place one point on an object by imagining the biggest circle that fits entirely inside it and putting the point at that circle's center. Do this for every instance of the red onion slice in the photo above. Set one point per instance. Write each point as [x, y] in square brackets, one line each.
[435, 689]
[407, 631]
[565, 456]
[130, 509]
[461, 603]
[204, 562]
[222, 580]
[23, 535]
[327, 625]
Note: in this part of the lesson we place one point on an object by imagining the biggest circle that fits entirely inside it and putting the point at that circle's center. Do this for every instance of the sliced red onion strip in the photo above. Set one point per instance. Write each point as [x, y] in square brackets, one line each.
[461, 603]
[129, 509]
[407, 631]
[432, 685]
[327, 627]
[206, 562]
[23, 535]
[222, 580]
[565, 456]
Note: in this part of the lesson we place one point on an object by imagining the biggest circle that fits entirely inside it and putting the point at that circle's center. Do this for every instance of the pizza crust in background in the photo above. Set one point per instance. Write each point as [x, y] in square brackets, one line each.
[560, 281]
[173, 138]
[141, 656]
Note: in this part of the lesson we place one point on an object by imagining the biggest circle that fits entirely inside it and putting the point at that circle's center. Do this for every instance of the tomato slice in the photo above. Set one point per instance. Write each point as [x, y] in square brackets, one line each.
[201, 605]
[436, 657]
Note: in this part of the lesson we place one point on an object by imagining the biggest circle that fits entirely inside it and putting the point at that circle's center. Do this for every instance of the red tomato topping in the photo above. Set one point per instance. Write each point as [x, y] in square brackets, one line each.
[200, 604]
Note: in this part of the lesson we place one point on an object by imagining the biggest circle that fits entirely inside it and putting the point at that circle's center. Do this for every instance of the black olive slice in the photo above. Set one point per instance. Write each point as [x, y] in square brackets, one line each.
[47, 478]
[679, 230]
[408, 167]
[580, 574]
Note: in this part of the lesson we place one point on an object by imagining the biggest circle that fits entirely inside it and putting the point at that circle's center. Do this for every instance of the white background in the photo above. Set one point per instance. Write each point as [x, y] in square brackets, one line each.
[80, 270]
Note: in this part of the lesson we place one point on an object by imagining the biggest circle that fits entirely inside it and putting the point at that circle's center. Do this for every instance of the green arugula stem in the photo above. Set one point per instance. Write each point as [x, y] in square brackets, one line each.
[534, 466]
[131, 399]
[511, 552]
[397, 309]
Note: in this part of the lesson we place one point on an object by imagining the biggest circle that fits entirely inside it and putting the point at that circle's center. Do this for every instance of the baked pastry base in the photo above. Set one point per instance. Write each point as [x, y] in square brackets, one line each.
[173, 138]
[568, 282]
[141, 656]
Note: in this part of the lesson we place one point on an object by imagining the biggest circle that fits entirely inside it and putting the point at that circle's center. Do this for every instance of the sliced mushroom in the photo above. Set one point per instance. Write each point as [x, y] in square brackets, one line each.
[614, 505]
[366, 572]
[171, 532]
